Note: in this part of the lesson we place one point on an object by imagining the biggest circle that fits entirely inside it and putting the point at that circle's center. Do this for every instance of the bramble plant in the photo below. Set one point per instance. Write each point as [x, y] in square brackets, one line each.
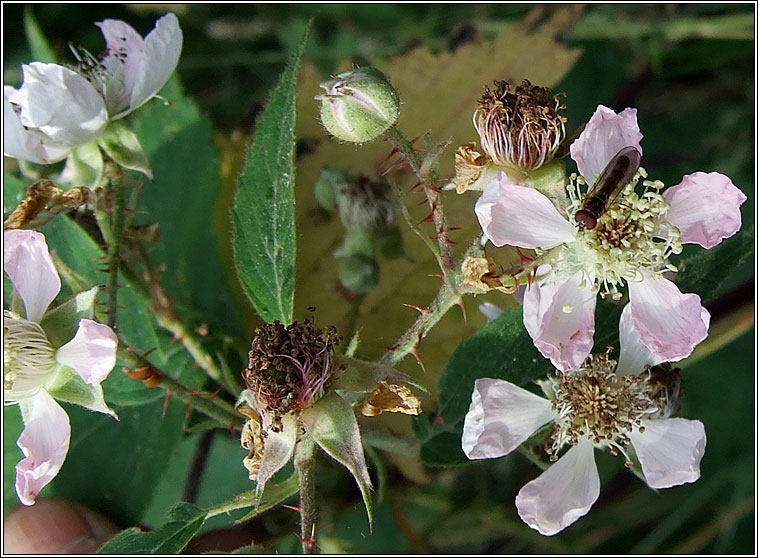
[127, 290]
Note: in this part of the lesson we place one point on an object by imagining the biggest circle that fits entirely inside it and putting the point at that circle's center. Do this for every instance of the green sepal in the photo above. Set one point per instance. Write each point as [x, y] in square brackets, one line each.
[60, 323]
[332, 423]
[66, 385]
[362, 376]
[122, 145]
[84, 166]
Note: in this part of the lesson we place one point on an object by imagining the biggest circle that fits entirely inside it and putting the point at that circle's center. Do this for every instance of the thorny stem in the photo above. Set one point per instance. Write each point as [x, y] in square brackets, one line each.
[305, 465]
[214, 407]
[110, 219]
[427, 174]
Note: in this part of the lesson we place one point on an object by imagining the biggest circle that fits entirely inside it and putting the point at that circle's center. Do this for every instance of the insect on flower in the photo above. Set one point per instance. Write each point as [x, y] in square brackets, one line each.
[615, 176]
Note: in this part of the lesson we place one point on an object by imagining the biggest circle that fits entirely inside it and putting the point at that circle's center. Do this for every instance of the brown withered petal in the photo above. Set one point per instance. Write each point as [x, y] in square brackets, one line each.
[468, 166]
[395, 398]
[252, 440]
[44, 194]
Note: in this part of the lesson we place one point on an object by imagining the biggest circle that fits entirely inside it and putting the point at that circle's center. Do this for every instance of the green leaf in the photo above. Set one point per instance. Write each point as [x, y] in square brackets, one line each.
[502, 349]
[12, 427]
[122, 145]
[331, 422]
[60, 323]
[38, 45]
[263, 215]
[184, 521]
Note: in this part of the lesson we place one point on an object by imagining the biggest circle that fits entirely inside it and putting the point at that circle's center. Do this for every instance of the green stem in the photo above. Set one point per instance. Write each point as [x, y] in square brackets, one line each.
[305, 465]
[214, 407]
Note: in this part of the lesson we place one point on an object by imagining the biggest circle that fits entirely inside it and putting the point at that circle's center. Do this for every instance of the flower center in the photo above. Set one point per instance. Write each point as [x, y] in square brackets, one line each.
[597, 404]
[630, 234]
[28, 357]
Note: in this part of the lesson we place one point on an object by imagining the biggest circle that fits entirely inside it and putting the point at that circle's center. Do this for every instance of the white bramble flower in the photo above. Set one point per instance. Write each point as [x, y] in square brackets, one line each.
[61, 113]
[629, 244]
[43, 363]
[600, 405]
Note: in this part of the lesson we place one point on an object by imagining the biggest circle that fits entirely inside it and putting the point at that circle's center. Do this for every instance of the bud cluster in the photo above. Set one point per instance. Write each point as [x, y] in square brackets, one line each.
[289, 366]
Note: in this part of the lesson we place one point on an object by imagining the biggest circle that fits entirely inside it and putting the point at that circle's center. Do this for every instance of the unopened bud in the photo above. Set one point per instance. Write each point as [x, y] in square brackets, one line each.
[358, 105]
[366, 205]
[358, 273]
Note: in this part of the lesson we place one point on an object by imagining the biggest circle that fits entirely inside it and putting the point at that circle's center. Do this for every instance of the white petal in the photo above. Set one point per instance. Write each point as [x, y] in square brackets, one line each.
[670, 451]
[92, 351]
[560, 318]
[604, 135]
[27, 144]
[563, 493]
[277, 449]
[125, 54]
[520, 216]
[670, 324]
[27, 262]
[491, 311]
[61, 103]
[501, 417]
[162, 48]
[634, 354]
[44, 443]
[705, 207]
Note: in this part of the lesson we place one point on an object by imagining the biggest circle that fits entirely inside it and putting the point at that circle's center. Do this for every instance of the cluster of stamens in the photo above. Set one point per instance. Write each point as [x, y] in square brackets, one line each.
[631, 234]
[520, 128]
[289, 366]
[28, 357]
[596, 403]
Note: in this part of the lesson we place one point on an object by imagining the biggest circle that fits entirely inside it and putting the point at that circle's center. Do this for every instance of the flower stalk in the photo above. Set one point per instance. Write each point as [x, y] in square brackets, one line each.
[305, 468]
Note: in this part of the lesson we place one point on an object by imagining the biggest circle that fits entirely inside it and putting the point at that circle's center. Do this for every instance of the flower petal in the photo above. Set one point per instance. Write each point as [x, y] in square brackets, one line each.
[670, 324]
[501, 417]
[27, 144]
[490, 311]
[44, 443]
[563, 493]
[92, 351]
[277, 449]
[27, 262]
[670, 451]
[520, 216]
[604, 135]
[560, 317]
[125, 54]
[635, 356]
[61, 103]
[705, 207]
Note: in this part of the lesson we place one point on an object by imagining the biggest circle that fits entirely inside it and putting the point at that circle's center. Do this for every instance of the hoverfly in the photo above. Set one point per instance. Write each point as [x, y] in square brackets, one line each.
[615, 176]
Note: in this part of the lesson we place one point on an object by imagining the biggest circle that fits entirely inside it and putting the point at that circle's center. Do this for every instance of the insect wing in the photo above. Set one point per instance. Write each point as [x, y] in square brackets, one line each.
[616, 175]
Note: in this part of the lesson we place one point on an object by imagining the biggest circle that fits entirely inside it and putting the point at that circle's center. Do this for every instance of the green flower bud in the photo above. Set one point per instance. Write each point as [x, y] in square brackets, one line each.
[366, 205]
[359, 105]
[359, 273]
[328, 185]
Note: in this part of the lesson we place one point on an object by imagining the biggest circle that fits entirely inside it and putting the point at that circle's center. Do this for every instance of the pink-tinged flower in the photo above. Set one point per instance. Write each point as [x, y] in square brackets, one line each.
[59, 112]
[600, 405]
[37, 371]
[630, 244]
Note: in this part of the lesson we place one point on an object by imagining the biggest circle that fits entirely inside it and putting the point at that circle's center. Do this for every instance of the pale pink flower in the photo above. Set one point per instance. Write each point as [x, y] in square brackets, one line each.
[36, 372]
[630, 245]
[59, 112]
[641, 399]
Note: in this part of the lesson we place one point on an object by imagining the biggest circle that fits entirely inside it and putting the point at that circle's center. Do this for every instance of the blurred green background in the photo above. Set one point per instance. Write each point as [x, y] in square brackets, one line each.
[690, 71]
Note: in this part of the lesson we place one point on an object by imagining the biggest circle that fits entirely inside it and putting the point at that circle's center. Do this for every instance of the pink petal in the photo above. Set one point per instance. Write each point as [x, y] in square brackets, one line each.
[634, 355]
[27, 262]
[501, 417]
[705, 207]
[670, 451]
[125, 54]
[92, 351]
[560, 317]
[604, 135]
[27, 144]
[563, 493]
[44, 443]
[61, 103]
[670, 324]
[520, 216]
